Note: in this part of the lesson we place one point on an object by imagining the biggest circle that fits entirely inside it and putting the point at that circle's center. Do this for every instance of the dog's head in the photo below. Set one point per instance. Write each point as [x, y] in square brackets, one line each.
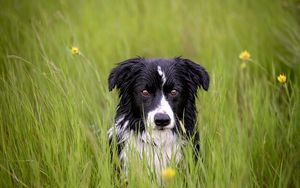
[158, 93]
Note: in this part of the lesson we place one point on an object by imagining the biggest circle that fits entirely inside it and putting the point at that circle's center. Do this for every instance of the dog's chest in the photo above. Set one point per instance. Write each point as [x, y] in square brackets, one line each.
[160, 148]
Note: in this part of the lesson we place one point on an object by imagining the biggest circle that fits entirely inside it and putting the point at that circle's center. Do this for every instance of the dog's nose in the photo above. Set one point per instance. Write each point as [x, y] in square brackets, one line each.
[161, 119]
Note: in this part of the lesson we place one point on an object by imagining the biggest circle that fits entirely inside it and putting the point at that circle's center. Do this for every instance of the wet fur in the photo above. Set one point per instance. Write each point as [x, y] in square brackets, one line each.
[158, 75]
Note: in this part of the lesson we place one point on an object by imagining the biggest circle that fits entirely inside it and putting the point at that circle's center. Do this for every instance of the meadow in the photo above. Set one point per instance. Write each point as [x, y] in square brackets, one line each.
[55, 107]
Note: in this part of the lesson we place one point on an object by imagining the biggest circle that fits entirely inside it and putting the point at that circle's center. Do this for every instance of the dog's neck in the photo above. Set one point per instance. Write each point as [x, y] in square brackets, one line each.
[158, 147]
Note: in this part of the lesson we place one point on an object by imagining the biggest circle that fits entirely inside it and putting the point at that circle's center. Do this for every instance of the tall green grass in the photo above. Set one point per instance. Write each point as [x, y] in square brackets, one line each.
[56, 108]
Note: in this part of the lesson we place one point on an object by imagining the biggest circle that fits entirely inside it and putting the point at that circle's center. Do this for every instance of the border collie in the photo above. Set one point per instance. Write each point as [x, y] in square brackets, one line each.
[156, 113]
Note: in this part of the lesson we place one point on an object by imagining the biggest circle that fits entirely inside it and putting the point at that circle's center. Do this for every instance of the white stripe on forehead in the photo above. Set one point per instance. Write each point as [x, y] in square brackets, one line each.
[162, 74]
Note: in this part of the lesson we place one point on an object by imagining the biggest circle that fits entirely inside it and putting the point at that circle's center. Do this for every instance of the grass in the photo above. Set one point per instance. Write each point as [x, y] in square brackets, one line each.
[56, 108]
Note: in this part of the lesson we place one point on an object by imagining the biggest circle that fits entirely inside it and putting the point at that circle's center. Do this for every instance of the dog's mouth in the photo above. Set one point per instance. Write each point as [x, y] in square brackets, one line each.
[160, 128]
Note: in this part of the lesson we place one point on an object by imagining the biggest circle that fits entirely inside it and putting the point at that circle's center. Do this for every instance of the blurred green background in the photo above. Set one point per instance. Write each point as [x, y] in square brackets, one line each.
[56, 108]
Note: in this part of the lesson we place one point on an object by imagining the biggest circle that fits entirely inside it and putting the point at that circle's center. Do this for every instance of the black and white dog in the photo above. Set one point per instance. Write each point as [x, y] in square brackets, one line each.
[156, 114]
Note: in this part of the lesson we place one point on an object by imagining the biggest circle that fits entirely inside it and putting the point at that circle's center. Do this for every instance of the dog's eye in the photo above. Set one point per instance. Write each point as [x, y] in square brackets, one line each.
[145, 93]
[173, 93]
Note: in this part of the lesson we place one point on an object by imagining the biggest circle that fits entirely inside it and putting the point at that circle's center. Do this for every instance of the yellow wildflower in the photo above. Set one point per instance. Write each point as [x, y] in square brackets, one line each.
[168, 173]
[281, 79]
[74, 50]
[245, 55]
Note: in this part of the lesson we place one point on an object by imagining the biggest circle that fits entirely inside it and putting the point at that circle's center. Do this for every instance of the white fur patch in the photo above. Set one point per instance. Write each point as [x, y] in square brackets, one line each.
[163, 107]
[162, 74]
[120, 131]
[159, 147]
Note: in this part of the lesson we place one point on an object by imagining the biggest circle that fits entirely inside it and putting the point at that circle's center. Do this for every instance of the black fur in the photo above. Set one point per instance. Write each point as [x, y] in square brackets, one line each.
[130, 77]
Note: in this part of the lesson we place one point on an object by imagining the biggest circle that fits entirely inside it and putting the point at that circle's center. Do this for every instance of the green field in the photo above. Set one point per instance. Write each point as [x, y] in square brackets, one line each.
[55, 107]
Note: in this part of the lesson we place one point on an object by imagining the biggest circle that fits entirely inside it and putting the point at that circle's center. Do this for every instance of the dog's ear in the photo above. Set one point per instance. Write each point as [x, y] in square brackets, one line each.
[195, 73]
[123, 73]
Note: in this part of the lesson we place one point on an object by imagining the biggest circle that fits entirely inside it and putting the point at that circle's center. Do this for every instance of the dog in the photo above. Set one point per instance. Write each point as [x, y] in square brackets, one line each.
[156, 113]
